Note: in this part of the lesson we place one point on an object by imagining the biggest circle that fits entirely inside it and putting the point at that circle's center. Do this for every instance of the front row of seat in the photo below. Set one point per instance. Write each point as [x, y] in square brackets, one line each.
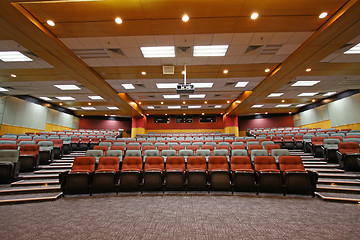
[196, 174]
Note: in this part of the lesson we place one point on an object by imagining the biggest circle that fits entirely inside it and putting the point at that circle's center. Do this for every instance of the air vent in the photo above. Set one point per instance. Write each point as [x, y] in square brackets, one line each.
[151, 96]
[140, 85]
[252, 48]
[157, 107]
[271, 49]
[217, 95]
[91, 53]
[229, 83]
[168, 70]
[183, 51]
[30, 53]
[346, 45]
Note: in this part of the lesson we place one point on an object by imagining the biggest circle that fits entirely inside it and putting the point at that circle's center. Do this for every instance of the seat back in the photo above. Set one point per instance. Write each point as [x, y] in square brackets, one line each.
[46, 145]
[108, 163]
[291, 163]
[264, 143]
[262, 163]
[175, 163]
[194, 148]
[107, 144]
[331, 143]
[161, 148]
[9, 142]
[154, 163]
[317, 140]
[151, 152]
[196, 163]
[218, 163]
[253, 147]
[132, 148]
[94, 153]
[276, 153]
[221, 152]
[114, 153]
[241, 163]
[210, 147]
[132, 164]
[258, 152]
[270, 147]
[29, 149]
[8, 146]
[348, 147]
[239, 152]
[9, 155]
[102, 148]
[168, 152]
[298, 137]
[83, 164]
[186, 152]
[134, 153]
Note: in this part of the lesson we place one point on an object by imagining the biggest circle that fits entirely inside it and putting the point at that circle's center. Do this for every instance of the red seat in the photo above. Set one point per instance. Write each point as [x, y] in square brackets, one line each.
[8, 146]
[252, 147]
[233, 147]
[241, 163]
[265, 164]
[122, 148]
[244, 177]
[348, 147]
[226, 147]
[196, 172]
[132, 164]
[178, 148]
[153, 170]
[108, 164]
[105, 176]
[103, 148]
[174, 175]
[270, 147]
[336, 137]
[196, 163]
[133, 148]
[219, 173]
[210, 147]
[270, 179]
[83, 164]
[193, 147]
[160, 148]
[29, 150]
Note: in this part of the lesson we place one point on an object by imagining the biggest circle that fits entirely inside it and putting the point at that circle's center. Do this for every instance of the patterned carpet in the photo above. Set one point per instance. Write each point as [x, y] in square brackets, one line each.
[180, 216]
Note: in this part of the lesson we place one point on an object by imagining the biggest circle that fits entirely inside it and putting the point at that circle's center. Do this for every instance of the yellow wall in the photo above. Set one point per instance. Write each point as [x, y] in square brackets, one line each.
[22, 130]
[355, 126]
[242, 133]
[52, 127]
[135, 131]
[183, 130]
[234, 130]
[323, 124]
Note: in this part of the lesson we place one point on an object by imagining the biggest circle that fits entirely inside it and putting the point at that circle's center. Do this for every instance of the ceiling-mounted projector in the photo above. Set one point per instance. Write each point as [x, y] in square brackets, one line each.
[185, 88]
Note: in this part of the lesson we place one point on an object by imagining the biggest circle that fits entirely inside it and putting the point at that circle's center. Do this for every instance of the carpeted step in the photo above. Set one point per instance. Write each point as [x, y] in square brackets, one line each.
[338, 189]
[336, 197]
[39, 176]
[29, 190]
[29, 198]
[335, 182]
[52, 167]
[62, 161]
[326, 170]
[306, 165]
[338, 175]
[51, 171]
[35, 182]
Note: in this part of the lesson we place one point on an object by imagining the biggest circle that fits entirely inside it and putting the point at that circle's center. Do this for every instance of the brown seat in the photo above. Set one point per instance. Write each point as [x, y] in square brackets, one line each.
[219, 173]
[130, 174]
[234, 147]
[153, 173]
[175, 172]
[58, 147]
[196, 173]
[269, 176]
[244, 177]
[8, 146]
[348, 156]
[84, 143]
[29, 157]
[106, 174]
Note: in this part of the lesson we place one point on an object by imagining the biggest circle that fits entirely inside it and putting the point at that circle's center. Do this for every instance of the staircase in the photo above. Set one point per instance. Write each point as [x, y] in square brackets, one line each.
[40, 185]
[334, 184]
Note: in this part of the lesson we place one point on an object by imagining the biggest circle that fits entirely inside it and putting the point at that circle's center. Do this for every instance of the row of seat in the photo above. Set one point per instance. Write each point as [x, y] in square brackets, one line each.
[196, 174]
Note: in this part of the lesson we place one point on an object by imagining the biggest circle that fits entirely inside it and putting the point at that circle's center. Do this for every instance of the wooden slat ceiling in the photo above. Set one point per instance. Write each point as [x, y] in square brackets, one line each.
[25, 23]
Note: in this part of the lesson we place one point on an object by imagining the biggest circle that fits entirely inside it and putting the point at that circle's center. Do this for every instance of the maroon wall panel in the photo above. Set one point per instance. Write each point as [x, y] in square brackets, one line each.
[196, 124]
[89, 123]
[280, 121]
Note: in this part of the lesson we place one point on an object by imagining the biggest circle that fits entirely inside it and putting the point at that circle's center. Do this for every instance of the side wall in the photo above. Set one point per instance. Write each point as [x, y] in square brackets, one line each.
[98, 123]
[19, 116]
[261, 121]
[343, 113]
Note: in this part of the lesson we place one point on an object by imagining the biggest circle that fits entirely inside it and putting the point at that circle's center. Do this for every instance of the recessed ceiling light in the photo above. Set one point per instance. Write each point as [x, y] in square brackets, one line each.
[158, 52]
[183, 72]
[194, 106]
[283, 105]
[241, 84]
[165, 114]
[105, 115]
[82, 115]
[197, 96]
[139, 103]
[162, 102]
[171, 96]
[313, 100]
[238, 101]
[45, 98]
[275, 94]
[254, 15]
[65, 98]
[88, 108]
[289, 112]
[113, 115]
[184, 113]
[203, 114]
[218, 106]
[95, 97]
[225, 71]
[128, 86]
[118, 20]
[354, 50]
[329, 94]
[174, 107]
[283, 100]
[266, 112]
[310, 94]
[205, 102]
[13, 75]
[166, 85]
[143, 73]
[227, 101]
[60, 104]
[113, 108]
[300, 105]
[308, 70]
[89, 104]
[267, 70]
[257, 106]
[185, 18]
[13, 56]
[50, 22]
[150, 107]
[67, 87]
[202, 85]
[210, 50]
[257, 113]
[305, 83]
[323, 14]
[184, 102]
[72, 108]
[147, 114]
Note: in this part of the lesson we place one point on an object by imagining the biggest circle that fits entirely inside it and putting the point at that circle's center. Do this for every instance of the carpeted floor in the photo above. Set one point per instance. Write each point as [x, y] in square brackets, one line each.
[180, 216]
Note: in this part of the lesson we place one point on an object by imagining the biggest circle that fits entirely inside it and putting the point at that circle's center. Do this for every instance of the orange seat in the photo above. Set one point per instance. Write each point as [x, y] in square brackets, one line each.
[178, 148]
[8, 146]
[154, 163]
[83, 164]
[244, 177]
[108, 164]
[196, 163]
[103, 148]
[219, 173]
[270, 147]
[132, 164]
[252, 147]
[241, 163]
[210, 147]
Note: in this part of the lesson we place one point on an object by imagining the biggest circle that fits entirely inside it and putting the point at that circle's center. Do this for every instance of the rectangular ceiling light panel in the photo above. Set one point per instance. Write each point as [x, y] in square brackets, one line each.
[257, 106]
[65, 98]
[95, 97]
[88, 108]
[174, 107]
[194, 106]
[354, 50]
[275, 94]
[13, 56]
[166, 85]
[158, 52]
[45, 98]
[241, 84]
[67, 87]
[197, 96]
[283, 105]
[305, 83]
[128, 86]
[113, 108]
[210, 51]
[310, 94]
[171, 96]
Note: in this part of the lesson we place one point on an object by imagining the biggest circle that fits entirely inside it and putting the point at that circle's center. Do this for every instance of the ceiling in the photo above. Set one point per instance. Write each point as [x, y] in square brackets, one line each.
[88, 49]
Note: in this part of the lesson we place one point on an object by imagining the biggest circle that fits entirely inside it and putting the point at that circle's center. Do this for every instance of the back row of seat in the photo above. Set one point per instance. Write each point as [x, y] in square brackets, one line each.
[196, 174]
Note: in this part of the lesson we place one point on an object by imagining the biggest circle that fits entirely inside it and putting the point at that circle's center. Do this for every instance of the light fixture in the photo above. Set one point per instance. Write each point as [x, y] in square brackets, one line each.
[308, 70]
[275, 94]
[185, 18]
[203, 114]
[329, 94]
[13, 56]
[13, 75]
[257, 113]
[225, 71]
[202, 85]
[210, 51]
[305, 83]
[162, 102]
[50, 23]
[60, 104]
[174, 107]
[95, 97]
[166, 85]
[184, 114]
[313, 100]
[182, 72]
[128, 86]
[283, 100]
[257, 106]
[205, 102]
[147, 114]
[82, 115]
[118, 20]
[67, 87]
[218, 106]
[65, 98]
[289, 112]
[150, 107]
[88, 108]
[113, 115]
[184, 102]
[158, 52]
[241, 84]
[197, 96]
[45, 98]
[221, 113]
[194, 106]
[310, 94]
[323, 15]
[254, 15]
[72, 108]
[143, 73]
[283, 105]
[238, 101]
[89, 104]
[112, 108]
[105, 115]
[171, 96]
[266, 112]
[228, 101]
[354, 50]
[267, 70]
[165, 114]
[300, 105]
